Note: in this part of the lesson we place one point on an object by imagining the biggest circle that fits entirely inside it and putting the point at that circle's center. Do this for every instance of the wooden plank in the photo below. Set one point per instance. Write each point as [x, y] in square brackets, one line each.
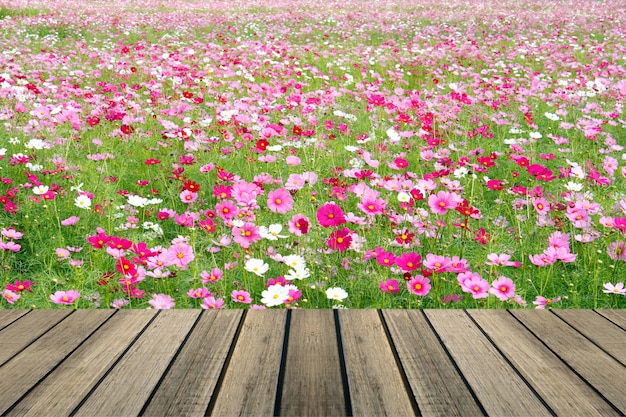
[26, 368]
[61, 392]
[560, 388]
[437, 385]
[250, 383]
[616, 316]
[500, 390]
[20, 334]
[126, 388]
[188, 386]
[602, 332]
[312, 384]
[600, 370]
[374, 379]
[9, 316]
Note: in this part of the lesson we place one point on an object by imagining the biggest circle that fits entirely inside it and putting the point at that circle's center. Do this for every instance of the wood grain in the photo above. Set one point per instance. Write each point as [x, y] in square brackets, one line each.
[596, 367]
[616, 316]
[562, 389]
[312, 383]
[20, 334]
[250, 383]
[500, 390]
[66, 386]
[374, 379]
[26, 368]
[188, 386]
[599, 330]
[9, 316]
[124, 391]
[437, 385]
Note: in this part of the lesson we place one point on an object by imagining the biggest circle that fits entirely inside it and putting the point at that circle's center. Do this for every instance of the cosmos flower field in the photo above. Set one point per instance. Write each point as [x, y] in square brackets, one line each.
[308, 154]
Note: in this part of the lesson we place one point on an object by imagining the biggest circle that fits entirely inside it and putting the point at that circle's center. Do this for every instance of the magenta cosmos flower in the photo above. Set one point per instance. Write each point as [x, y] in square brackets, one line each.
[162, 302]
[241, 296]
[409, 261]
[330, 215]
[246, 235]
[279, 201]
[503, 288]
[418, 285]
[65, 297]
[340, 240]
[391, 286]
[299, 225]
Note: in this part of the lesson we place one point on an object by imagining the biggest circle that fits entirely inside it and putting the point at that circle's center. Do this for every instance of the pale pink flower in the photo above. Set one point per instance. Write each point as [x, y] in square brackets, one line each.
[501, 260]
[10, 296]
[543, 302]
[614, 289]
[70, 221]
[188, 197]
[443, 201]
[180, 255]
[418, 285]
[162, 302]
[279, 201]
[246, 235]
[473, 283]
[65, 297]
[211, 303]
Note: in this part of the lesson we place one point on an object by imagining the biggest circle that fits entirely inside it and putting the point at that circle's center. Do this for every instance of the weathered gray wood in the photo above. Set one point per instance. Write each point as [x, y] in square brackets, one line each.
[26, 368]
[9, 316]
[437, 386]
[500, 390]
[599, 330]
[560, 388]
[20, 334]
[598, 368]
[188, 386]
[616, 316]
[249, 385]
[312, 380]
[66, 386]
[374, 379]
[124, 391]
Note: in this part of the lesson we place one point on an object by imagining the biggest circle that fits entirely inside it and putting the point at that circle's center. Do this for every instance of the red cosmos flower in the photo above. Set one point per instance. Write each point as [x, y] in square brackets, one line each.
[126, 129]
[482, 236]
[297, 130]
[207, 225]
[495, 185]
[125, 267]
[187, 94]
[416, 194]
[540, 172]
[365, 173]
[98, 241]
[465, 209]
[222, 191]
[93, 121]
[485, 161]
[262, 144]
[119, 243]
[152, 161]
[405, 237]
[340, 240]
[192, 186]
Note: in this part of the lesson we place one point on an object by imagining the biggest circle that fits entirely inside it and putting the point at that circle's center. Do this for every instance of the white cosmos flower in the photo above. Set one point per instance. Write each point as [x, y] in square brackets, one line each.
[573, 186]
[272, 232]
[336, 293]
[40, 189]
[404, 197]
[294, 261]
[83, 202]
[274, 295]
[256, 266]
[137, 201]
[300, 273]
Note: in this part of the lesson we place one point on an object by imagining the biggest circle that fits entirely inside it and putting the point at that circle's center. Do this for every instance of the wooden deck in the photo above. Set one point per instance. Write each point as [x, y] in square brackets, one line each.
[313, 362]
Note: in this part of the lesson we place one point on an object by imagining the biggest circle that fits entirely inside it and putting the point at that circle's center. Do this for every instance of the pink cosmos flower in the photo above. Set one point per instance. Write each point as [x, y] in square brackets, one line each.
[240, 296]
[10, 296]
[279, 201]
[64, 297]
[562, 254]
[372, 206]
[215, 275]
[188, 197]
[202, 292]
[211, 303]
[385, 258]
[245, 193]
[70, 221]
[180, 255]
[226, 209]
[501, 260]
[299, 225]
[409, 261]
[330, 215]
[246, 235]
[391, 286]
[614, 289]
[418, 285]
[503, 288]
[443, 201]
[541, 205]
[542, 259]
[617, 251]
[543, 302]
[162, 302]
[473, 283]
[437, 263]
[340, 240]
